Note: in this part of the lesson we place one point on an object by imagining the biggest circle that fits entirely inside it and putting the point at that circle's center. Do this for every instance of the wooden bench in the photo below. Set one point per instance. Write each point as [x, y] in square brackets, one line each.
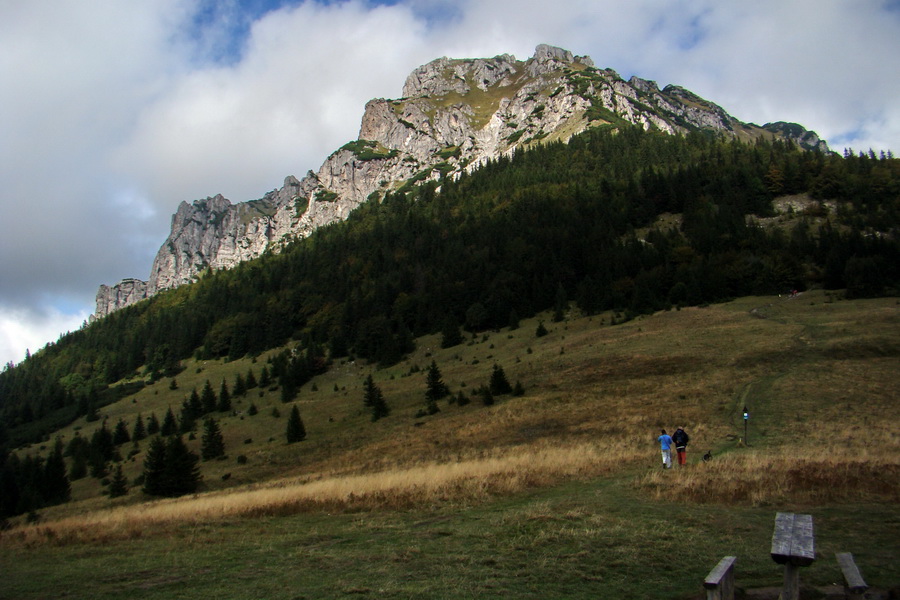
[793, 546]
[854, 585]
[719, 583]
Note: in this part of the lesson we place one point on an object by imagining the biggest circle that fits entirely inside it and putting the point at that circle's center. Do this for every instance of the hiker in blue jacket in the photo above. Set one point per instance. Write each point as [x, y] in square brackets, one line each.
[665, 442]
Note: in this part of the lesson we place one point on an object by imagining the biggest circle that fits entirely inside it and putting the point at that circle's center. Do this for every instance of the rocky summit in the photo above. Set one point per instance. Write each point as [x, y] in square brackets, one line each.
[455, 114]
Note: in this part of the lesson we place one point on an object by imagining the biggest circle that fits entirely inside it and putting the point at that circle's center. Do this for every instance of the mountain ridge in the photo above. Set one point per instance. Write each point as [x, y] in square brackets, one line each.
[454, 115]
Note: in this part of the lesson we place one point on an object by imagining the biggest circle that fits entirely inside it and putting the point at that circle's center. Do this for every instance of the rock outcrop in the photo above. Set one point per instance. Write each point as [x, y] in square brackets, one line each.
[454, 115]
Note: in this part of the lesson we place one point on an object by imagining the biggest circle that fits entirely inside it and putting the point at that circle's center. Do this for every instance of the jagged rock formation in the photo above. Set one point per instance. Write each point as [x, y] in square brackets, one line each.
[454, 115]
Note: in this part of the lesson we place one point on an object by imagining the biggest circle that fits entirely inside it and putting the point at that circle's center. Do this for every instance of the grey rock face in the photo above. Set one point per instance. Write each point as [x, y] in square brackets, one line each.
[454, 115]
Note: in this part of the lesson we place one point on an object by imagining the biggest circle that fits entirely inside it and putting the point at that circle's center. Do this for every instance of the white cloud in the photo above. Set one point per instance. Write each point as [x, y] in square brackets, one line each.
[113, 112]
[23, 330]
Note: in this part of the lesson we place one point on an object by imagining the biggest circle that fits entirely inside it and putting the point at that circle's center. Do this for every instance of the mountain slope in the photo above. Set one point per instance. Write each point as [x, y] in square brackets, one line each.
[454, 116]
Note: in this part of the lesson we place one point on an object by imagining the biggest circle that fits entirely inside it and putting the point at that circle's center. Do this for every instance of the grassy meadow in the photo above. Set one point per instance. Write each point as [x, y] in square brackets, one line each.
[555, 494]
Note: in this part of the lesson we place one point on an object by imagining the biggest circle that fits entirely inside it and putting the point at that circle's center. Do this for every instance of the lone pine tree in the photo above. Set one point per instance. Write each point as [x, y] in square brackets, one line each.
[212, 444]
[118, 486]
[499, 383]
[374, 399]
[296, 432]
[435, 389]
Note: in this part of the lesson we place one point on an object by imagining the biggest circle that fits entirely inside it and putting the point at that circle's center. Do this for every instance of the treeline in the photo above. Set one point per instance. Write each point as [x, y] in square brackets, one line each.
[548, 227]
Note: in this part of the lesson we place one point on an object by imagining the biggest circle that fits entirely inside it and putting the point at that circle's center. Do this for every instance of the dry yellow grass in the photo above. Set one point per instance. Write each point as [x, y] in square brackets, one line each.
[475, 479]
[799, 477]
[819, 376]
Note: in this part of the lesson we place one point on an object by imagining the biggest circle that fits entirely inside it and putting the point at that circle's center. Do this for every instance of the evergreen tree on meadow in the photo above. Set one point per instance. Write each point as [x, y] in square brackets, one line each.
[170, 468]
[518, 389]
[195, 404]
[374, 399]
[155, 468]
[212, 443]
[57, 488]
[224, 403]
[296, 432]
[187, 420]
[102, 445]
[288, 390]
[182, 472]
[450, 334]
[487, 398]
[153, 425]
[120, 433]
[139, 432]
[78, 469]
[561, 304]
[240, 386]
[208, 398]
[251, 379]
[264, 377]
[499, 384]
[118, 485]
[169, 425]
[435, 389]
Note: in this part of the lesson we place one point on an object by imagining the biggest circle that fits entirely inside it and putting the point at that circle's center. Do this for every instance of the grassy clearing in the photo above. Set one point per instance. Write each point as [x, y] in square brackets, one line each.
[555, 494]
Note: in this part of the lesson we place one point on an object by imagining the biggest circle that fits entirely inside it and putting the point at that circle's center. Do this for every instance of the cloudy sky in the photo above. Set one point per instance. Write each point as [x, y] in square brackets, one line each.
[111, 112]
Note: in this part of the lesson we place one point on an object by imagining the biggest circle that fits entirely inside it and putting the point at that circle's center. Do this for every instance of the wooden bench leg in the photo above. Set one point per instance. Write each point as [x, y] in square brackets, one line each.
[791, 588]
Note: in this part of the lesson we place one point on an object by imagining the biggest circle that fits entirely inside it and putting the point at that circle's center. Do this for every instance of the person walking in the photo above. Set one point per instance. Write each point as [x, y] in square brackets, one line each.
[681, 439]
[665, 442]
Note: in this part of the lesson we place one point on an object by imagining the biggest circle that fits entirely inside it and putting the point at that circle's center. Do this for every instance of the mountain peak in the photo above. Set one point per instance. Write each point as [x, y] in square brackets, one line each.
[454, 115]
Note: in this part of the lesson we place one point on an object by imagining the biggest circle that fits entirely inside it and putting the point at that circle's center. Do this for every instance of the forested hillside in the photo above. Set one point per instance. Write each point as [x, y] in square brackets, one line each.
[561, 225]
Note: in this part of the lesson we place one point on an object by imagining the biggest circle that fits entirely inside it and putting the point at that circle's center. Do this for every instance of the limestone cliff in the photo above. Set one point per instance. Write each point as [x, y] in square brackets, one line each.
[454, 115]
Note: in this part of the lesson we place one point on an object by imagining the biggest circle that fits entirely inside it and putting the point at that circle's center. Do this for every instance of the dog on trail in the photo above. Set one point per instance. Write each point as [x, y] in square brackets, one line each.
[708, 456]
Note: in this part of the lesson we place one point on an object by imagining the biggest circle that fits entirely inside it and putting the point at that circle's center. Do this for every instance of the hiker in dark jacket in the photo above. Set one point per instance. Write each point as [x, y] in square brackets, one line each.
[681, 439]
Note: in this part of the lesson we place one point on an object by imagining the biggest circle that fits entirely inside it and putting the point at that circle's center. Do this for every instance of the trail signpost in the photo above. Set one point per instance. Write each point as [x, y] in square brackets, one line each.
[746, 420]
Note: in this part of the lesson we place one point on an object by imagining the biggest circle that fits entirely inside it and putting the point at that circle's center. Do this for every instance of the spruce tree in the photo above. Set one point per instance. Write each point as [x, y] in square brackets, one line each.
[374, 399]
[153, 425]
[251, 379]
[240, 387]
[264, 377]
[57, 488]
[499, 384]
[169, 425]
[450, 334]
[188, 419]
[120, 433]
[195, 404]
[155, 468]
[224, 403]
[561, 305]
[79, 467]
[102, 443]
[296, 432]
[181, 473]
[435, 389]
[212, 443]
[139, 432]
[208, 398]
[118, 486]
[288, 389]
[487, 398]
[170, 469]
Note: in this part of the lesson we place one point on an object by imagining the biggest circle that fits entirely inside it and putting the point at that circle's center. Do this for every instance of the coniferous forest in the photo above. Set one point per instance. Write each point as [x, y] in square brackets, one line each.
[559, 225]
